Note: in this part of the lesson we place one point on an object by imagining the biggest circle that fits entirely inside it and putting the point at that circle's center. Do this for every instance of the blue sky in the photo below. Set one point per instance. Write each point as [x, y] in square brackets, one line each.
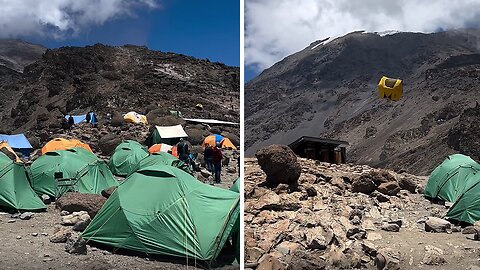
[203, 29]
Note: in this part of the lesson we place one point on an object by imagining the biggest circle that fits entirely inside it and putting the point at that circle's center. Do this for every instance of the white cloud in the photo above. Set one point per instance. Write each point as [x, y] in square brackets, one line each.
[58, 18]
[278, 28]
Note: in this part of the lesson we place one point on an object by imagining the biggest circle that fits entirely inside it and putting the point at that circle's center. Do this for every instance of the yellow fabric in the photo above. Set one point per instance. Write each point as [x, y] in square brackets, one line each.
[63, 144]
[136, 118]
[9, 149]
[390, 88]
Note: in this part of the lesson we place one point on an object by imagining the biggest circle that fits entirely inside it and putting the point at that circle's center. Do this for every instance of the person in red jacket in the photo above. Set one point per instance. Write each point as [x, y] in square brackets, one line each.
[217, 162]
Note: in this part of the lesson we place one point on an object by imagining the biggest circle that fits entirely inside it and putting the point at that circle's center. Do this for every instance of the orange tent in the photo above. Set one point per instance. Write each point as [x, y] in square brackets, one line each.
[163, 147]
[174, 152]
[160, 147]
[4, 146]
[63, 144]
[225, 142]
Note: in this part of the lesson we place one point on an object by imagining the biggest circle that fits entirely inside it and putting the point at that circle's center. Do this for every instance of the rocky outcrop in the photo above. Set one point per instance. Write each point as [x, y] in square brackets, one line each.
[76, 202]
[279, 164]
[328, 223]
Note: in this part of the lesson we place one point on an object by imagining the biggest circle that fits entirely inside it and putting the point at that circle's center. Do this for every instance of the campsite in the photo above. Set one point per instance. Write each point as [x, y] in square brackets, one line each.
[119, 181]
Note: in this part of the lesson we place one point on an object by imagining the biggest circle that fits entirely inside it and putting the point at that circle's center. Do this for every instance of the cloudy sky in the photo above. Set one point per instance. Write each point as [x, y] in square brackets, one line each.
[204, 29]
[277, 28]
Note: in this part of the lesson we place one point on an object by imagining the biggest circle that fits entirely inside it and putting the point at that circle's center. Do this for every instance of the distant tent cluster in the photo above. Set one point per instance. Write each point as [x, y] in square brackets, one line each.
[160, 207]
[457, 180]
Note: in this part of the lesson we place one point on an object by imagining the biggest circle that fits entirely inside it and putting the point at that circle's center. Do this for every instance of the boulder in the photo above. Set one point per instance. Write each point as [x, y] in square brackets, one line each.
[390, 227]
[407, 183]
[380, 196]
[196, 135]
[81, 225]
[61, 235]
[304, 260]
[363, 184]
[108, 143]
[280, 165]
[388, 259]
[75, 217]
[433, 256]
[469, 230]
[76, 202]
[252, 254]
[76, 245]
[311, 191]
[26, 216]
[269, 262]
[356, 233]
[389, 188]
[117, 120]
[434, 224]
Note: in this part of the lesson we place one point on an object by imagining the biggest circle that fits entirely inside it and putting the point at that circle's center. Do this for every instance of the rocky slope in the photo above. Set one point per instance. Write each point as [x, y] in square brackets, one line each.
[14, 56]
[350, 217]
[116, 80]
[329, 89]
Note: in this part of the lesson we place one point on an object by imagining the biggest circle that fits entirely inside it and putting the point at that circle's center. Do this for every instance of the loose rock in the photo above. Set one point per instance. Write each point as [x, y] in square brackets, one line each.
[76, 245]
[434, 224]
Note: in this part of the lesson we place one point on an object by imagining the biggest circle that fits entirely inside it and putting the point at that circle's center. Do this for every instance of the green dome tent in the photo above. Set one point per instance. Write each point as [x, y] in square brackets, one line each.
[448, 180]
[457, 180]
[236, 186]
[74, 169]
[467, 207]
[126, 157]
[162, 158]
[236, 228]
[15, 191]
[163, 210]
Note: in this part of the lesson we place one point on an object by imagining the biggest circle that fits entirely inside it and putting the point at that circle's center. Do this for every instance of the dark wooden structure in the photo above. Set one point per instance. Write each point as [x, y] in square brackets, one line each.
[325, 150]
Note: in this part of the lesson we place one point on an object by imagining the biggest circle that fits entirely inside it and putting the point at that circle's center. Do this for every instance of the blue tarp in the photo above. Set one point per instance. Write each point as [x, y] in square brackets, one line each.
[218, 138]
[82, 118]
[18, 142]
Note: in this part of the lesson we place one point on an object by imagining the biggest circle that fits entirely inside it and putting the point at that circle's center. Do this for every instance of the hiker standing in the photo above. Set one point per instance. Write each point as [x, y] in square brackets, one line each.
[217, 162]
[208, 156]
[71, 122]
[88, 117]
[183, 152]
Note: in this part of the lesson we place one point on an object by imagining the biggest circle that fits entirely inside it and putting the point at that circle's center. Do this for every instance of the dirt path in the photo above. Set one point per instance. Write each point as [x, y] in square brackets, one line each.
[37, 252]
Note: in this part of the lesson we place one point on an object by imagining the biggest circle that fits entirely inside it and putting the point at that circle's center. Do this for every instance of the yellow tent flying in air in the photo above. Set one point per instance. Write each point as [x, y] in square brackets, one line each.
[390, 88]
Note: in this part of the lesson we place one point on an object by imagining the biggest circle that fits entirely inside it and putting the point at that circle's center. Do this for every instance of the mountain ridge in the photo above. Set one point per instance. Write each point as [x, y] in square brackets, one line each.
[331, 91]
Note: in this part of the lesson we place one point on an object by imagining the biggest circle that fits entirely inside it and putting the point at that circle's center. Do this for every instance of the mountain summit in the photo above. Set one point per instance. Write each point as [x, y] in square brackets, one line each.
[329, 89]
